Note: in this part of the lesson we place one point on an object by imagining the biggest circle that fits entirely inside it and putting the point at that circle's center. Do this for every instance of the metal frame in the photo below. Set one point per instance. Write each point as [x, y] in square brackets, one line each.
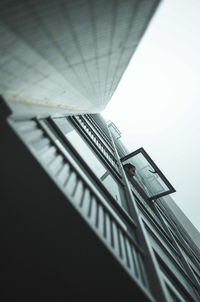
[115, 206]
[170, 276]
[113, 170]
[93, 124]
[175, 238]
[158, 171]
[153, 270]
[123, 256]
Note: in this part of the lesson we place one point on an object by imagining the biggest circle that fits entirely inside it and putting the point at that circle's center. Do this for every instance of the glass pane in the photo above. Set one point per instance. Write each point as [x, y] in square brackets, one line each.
[146, 177]
[90, 158]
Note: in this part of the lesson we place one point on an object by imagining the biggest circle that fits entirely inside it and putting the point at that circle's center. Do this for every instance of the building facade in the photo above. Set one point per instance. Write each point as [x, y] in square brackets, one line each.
[68, 54]
[77, 227]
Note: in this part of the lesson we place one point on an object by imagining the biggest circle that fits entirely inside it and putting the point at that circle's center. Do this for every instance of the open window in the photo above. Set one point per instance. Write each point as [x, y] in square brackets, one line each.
[148, 178]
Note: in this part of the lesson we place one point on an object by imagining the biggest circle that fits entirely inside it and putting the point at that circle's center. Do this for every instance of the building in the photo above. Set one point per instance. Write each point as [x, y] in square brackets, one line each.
[68, 55]
[75, 225]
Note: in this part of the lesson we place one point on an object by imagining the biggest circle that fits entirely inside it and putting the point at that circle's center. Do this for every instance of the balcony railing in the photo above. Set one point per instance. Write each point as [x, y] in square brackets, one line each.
[97, 141]
[104, 134]
[86, 199]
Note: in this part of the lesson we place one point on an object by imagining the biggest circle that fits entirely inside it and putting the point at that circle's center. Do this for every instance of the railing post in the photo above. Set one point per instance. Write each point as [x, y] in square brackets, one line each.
[182, 257]
[157, 284]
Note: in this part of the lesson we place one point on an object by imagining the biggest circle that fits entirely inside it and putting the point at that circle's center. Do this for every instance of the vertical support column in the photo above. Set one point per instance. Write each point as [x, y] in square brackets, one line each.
[155, 279]
[182, 257]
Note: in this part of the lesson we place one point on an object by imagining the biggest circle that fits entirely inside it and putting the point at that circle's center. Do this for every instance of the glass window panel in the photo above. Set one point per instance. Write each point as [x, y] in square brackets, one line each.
[94, 163]
[146, 177]
[90, 158]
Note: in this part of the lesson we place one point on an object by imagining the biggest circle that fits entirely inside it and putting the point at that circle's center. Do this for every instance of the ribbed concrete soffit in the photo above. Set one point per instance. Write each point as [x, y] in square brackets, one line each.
[68, 54]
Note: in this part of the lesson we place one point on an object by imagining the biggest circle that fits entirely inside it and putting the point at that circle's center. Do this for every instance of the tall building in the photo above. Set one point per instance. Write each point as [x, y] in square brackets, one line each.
[81, 217]
[68, 55]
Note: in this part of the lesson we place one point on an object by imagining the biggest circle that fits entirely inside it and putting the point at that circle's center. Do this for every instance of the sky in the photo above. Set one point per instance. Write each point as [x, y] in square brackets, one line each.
[159, 93]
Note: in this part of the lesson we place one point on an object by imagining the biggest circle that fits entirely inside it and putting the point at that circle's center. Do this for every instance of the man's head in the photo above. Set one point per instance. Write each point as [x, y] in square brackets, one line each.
[130, 169]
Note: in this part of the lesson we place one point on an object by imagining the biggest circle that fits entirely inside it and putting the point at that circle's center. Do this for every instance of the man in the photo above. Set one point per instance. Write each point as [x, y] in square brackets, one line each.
[130, 170]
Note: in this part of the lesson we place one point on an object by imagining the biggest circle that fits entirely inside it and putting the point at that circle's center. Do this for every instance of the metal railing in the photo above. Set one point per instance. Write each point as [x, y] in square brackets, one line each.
[98, 142]
[91, 205]
[104, 134]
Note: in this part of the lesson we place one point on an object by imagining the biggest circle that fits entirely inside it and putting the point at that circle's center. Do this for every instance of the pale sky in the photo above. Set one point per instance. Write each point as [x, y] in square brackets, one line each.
[157, 106]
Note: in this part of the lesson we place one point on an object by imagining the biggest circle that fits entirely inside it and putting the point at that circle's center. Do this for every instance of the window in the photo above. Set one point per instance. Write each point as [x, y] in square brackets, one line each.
[148, 178]
[92, 160]
[94, 163]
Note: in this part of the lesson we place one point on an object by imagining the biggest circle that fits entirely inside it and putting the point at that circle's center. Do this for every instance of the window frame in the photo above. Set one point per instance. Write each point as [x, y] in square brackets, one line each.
[122, 211]
[158, 171]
